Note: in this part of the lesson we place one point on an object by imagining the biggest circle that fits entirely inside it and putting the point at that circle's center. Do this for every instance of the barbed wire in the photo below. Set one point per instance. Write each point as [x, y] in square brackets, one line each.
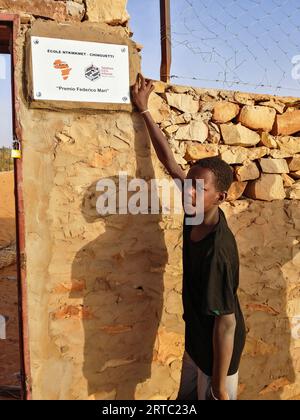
[242, 42]
[233, 82]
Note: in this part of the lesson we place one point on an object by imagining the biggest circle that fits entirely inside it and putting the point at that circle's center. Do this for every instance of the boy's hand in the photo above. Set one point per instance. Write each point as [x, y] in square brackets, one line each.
[141, 91]
[221, 396]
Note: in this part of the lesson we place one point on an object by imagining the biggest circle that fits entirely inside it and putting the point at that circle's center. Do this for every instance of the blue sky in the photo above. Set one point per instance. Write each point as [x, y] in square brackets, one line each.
[236, 45]
[5, 101]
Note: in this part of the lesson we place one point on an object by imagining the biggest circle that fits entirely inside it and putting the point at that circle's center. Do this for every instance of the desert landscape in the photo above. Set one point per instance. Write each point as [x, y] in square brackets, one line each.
[9, 348]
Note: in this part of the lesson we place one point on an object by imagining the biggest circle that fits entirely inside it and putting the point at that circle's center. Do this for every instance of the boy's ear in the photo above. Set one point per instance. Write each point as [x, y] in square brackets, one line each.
[223, 196]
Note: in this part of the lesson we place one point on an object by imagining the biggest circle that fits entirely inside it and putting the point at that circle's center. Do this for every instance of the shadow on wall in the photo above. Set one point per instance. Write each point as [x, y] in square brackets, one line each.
[122, 272]
[265, 240]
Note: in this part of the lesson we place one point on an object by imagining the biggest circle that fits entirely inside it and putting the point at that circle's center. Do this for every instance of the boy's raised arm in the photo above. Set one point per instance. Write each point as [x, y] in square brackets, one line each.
[140, 93]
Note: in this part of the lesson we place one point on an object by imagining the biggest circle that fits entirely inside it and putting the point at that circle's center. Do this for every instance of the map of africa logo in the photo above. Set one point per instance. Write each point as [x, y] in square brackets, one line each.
[63, 67]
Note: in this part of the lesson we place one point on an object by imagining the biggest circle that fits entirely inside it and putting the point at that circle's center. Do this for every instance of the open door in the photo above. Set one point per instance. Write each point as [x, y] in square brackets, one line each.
[14, 383]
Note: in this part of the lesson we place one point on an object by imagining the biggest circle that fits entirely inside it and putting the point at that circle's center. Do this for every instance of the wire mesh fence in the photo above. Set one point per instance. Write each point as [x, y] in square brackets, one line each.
[251, 45]
[6, 162]
[246, 45]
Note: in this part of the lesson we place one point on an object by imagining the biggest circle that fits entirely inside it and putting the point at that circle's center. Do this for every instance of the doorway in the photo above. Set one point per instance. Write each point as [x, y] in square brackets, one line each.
[11, 323]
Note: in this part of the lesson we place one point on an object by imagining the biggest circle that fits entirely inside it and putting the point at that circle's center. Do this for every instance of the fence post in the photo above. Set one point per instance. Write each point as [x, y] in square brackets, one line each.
[166, 45]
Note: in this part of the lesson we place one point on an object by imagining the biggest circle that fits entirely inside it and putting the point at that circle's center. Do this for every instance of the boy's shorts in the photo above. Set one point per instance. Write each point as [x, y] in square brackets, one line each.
[195, 385]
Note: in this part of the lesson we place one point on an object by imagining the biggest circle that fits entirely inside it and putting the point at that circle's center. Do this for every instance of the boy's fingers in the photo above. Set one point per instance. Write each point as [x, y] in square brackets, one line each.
[143, 83]
[138, 80]
[150, 85]
[136, 88]
[149, 82]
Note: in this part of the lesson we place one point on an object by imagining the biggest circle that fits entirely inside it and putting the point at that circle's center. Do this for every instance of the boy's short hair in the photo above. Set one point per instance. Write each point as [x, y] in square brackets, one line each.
[221, 169]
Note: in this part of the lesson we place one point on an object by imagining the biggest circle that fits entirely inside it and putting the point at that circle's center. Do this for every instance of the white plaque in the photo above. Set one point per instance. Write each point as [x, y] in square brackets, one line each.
[79, 71]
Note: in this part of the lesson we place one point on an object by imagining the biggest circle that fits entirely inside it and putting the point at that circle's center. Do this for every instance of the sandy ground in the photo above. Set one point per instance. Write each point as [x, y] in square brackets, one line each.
[9, 348]
[7, 208]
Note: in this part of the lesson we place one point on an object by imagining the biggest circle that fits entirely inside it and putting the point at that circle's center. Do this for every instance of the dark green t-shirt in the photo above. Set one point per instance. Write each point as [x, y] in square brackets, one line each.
[210, 284]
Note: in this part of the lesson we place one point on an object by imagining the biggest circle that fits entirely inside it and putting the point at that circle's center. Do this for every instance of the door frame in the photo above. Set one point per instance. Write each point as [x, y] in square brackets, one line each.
[13, 20]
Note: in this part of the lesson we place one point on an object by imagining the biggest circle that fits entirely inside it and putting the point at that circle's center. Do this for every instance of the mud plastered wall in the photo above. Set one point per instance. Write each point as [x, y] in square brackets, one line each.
[105, 293]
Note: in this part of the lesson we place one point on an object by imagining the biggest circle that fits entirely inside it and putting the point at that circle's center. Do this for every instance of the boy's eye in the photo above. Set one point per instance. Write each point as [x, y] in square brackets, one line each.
[197, 186]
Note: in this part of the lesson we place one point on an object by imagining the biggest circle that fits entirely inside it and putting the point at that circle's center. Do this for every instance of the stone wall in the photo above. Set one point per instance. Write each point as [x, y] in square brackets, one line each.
[105, 293]
[258, 135]
[111, 12]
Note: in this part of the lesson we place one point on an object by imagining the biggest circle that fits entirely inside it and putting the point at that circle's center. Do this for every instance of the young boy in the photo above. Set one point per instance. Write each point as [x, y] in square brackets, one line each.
[214, 324]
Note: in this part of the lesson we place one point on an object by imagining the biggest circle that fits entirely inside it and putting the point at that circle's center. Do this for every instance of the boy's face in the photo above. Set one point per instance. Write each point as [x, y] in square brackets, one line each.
[211, 196]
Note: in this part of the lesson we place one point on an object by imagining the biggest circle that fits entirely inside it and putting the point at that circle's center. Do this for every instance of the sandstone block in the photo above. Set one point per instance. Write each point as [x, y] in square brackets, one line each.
[243, 98]
[277, 105]
[238, 135]
[160, 111]
[287, 123]
[258, 117]
[236, 190]
[287, 180]
[225, 111]
[180, 89]
[236, 155]
[268, 140]
[195, 131]
[279, 154]
[171, 129]
[200, 151]
[294, 191]
[294, 163]
[268, 187]
[274, 166]
[248, 171]
[183, 102]
[57, 10]
[106, 11]
[160, 87]
[289, 144]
